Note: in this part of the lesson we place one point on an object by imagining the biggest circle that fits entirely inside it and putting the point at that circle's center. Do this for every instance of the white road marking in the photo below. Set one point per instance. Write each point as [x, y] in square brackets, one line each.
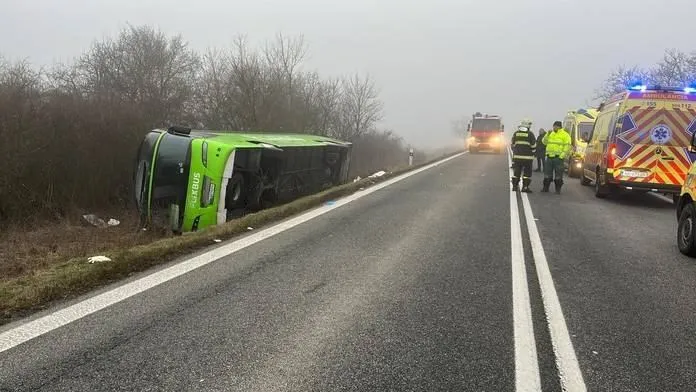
[526, 362]
[566, 361]
[57, 319]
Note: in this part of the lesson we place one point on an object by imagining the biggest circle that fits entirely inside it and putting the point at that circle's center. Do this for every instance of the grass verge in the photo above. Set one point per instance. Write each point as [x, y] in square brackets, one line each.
[23, 295]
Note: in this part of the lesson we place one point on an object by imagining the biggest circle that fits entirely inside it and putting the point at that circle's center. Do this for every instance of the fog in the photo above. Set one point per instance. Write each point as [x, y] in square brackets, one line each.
[433, 61]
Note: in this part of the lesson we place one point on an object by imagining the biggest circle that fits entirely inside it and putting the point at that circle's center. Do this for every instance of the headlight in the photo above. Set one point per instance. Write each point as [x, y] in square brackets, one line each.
[208, 195]
[204, 154]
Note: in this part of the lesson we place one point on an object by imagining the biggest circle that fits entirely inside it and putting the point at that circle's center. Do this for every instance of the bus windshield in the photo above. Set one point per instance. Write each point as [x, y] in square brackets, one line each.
[171, 169]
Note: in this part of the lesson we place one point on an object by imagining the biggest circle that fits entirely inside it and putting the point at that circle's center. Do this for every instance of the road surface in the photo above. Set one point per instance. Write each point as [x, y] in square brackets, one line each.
[444, 280]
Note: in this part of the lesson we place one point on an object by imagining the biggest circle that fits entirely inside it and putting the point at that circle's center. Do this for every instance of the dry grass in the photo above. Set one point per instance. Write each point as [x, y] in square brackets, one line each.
[50, 264]
[24, 249]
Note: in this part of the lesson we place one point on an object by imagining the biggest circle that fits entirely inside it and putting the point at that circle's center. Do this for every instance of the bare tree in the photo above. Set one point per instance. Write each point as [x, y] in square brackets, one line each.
[142, 66]
[620, 79]
[330, 98]
[675, 69]
[460, 126]
[216, 91]
[284, 56]
[361, 107]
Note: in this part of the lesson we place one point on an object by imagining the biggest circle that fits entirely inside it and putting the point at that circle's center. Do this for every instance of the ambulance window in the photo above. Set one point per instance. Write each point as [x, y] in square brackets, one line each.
[593, 131]
[600, 130]
[604, 122]
[612, 123]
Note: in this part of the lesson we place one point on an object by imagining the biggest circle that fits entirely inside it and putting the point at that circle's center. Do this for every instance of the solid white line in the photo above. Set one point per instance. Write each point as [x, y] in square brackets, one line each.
[45, 324]
[566, 361]
[526, 363]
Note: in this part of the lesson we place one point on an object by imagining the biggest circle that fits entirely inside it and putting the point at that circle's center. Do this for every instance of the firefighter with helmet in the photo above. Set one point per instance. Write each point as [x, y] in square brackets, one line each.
[523, 150]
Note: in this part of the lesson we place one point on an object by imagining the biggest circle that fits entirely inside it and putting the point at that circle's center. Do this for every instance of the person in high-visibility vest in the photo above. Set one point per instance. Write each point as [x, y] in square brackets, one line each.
[558, 146]
[523, 146]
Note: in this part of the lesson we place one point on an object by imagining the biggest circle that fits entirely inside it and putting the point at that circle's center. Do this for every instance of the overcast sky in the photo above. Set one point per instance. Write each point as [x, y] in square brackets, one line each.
[433, 60]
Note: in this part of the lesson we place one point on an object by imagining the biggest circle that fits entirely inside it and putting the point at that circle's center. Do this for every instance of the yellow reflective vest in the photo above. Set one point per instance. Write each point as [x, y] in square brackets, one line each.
[558, 143]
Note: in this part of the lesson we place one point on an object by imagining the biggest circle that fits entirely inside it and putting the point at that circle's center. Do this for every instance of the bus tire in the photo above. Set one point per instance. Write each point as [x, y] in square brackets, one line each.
[685, 231]
[236, 192]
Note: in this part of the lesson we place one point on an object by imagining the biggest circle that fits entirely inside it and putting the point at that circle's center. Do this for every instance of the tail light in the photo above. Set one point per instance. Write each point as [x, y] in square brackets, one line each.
[611, 156]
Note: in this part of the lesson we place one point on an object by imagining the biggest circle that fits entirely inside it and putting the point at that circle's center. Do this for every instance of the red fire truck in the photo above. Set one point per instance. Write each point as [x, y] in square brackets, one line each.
[485, 133]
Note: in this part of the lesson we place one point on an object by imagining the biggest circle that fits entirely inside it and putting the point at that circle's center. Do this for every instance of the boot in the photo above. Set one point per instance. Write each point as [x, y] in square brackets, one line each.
[515, 187]
[547, 183]
[525, 185]
[515, 184]
[558, 184]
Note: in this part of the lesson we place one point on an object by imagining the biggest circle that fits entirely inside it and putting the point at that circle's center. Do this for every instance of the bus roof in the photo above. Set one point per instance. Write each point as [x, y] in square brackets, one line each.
[252, 139]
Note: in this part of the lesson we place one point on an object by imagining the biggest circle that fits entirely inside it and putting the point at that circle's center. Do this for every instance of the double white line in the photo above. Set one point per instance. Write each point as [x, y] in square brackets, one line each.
[527, 376]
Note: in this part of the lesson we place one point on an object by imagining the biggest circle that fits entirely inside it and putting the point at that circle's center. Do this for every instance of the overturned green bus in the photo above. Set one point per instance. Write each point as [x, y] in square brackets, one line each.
[190, 179]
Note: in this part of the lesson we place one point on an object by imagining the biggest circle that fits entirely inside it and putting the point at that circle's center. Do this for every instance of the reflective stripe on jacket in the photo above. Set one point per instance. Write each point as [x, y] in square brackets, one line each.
[558, 143]
[523, 145]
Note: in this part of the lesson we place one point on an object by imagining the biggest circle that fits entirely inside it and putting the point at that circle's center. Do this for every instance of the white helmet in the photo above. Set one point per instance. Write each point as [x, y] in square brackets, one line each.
[526, 123]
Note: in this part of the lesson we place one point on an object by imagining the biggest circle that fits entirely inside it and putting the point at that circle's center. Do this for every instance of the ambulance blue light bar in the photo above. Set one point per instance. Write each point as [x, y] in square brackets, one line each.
[638, 87]
[643, 88]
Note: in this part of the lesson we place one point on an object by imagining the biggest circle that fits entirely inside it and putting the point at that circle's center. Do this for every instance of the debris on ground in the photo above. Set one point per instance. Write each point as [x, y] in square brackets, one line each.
[250, 228]
[113, 222]
[330, 202]
[95, 221]
[98, 259]
[378, 174]
[217, 240]
[358, 178]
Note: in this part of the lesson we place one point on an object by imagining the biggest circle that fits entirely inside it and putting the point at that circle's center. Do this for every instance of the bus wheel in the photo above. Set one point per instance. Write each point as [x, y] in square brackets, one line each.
[236, 191]
[685, 231]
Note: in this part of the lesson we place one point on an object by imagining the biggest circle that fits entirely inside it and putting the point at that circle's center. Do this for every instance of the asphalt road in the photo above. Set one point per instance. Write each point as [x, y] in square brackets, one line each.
[409, 288]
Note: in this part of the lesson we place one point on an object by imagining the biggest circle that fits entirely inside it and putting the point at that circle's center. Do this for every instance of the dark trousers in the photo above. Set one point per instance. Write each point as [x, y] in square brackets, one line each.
[553, 171]
[523, 168]
[540, 163]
